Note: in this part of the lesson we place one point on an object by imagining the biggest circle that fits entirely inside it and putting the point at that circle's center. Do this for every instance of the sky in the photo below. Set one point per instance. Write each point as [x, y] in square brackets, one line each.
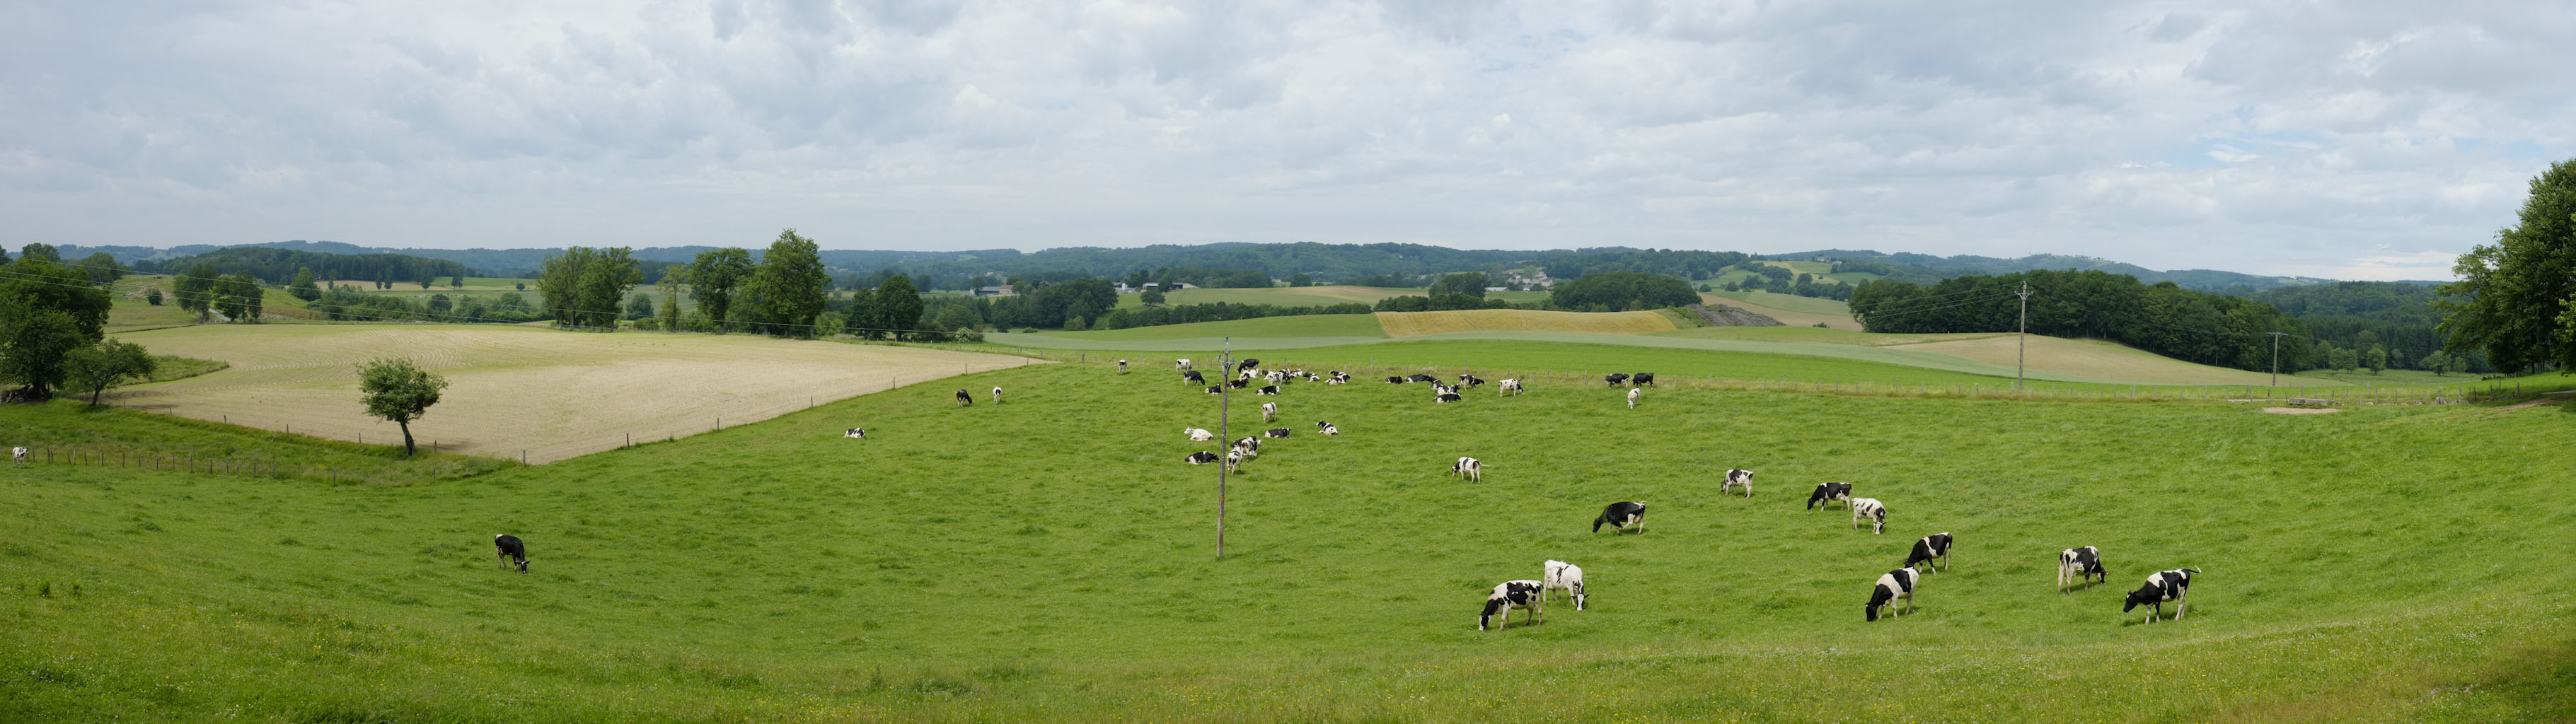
[2349, 140]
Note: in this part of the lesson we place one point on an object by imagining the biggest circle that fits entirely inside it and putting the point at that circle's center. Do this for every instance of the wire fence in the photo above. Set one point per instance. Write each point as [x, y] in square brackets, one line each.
[110, 456]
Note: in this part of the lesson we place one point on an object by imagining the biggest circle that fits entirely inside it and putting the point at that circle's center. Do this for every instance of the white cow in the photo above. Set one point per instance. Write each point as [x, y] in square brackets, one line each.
[1181, 365]
[1632, 397]
[997, 395]
[1871, 510]
[1198, 435]
[1567, 577]
[18, 456]
[1736, 478]
[1470, 468]
[1510, 386]
[1269, 411]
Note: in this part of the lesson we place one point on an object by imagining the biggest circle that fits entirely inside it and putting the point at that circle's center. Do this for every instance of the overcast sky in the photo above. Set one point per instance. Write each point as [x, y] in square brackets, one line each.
[2345, 140]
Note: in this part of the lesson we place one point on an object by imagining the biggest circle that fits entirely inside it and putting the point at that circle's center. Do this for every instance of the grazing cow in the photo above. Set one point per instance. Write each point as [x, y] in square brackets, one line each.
[1275, 432]
[1216, 389]
[1620, 515]
[18, 456]
[1237, 384]
[1267, 390]
[1421, 378]
[1470, 468]
[1567, 577]
[1735, 479]
[1893, 585]
[1269, 411]
[1615, 379]
[1181, 364]
[1234, 459]
[964, 399]
[1510, 595]
[1122, 367]
[1872, 510]
[1447, 397]
[2160, 587]
[1197, 434]
[1932, 546]
[1827, 493]
[513, 552]
[1632, 397]
[1194, 377]
[1511, 386]
[1641, 379]
[997, 395]
[1248, 363]
[1201, 457]
[2080, 565]
[857, 433]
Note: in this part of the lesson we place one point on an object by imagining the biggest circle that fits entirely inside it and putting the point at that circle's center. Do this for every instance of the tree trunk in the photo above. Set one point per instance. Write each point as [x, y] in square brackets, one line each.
[409, 449]
[93, 396]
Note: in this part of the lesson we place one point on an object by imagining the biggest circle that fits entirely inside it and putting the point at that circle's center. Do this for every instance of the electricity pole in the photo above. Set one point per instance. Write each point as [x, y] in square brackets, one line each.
[2276, 357]
[1224, 404]
[2022, 353]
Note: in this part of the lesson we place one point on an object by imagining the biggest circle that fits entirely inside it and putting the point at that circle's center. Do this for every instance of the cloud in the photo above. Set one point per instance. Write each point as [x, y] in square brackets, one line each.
[2257, 137]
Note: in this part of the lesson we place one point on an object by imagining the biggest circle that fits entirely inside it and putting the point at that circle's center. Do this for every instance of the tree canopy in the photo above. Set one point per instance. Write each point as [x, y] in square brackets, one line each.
[788, 287]
[1616, 291]
[2516, 298]
[395, 390]
[2163, 318]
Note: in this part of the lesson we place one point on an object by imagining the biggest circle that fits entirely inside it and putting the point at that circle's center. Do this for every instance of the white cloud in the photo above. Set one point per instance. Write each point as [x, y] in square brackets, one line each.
[2263, 137]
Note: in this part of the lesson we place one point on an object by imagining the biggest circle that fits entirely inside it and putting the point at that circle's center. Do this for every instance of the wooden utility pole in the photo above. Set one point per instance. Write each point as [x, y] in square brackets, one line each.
[2021, 354]
[2276, 357]
[1224, 403]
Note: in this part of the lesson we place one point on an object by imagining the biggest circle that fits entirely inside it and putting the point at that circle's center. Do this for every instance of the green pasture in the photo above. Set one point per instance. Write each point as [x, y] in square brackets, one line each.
[1306, 325]
[1790, 302]
[1305, 296]
[1052, 559]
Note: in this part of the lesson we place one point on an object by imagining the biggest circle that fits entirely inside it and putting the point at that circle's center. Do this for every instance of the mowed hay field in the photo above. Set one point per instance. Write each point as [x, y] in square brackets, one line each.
[1790, 309]
[1409, 324]
[1306, 296]
[2384, 564]
[2094, 358]
[553, 394]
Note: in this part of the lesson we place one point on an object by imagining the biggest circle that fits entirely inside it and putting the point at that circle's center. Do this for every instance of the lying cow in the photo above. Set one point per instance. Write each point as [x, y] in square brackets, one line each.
[1328, 428]
[1248, 363]
[1735, 479]
[1201, 457]
[1238, 384]
[512, 551]
[1469, 380]
[2160, 587]
[1276, 432]
[1421, 378]
[1829, 492]
[1216, 389]
[1869, 509]
[1620, 516]
[1893, 585]
[856, 433]
[1395, 380]
[1446, 397]
[1198, 434]
[1510, 595]
[1563, 576]
[1929, 547]
[2080, 565]
[1470, 468]
[1267, 390]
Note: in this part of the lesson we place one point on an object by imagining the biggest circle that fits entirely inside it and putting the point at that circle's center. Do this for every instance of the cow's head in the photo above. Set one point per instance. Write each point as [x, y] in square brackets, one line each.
[1492, 604]
[1878, 597]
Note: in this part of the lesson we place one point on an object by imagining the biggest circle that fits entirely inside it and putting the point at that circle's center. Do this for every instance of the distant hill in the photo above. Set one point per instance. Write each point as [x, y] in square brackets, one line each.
[1926, 268]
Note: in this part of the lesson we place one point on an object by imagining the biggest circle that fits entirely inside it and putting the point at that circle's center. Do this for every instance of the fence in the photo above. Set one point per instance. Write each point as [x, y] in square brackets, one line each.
[115, 457]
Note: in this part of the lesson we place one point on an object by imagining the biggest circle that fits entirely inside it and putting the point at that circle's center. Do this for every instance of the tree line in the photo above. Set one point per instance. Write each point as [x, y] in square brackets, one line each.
[280, 266]
[2163, 318]
[53, 330]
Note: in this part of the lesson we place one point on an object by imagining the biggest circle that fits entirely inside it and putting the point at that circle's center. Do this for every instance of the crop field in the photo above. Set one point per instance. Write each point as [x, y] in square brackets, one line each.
[548, 393]
[2096, 359]
[1409, 324]
[2386, 564]
[1306, 325]
[131, 309]
[1790, 309]
[1306, 296]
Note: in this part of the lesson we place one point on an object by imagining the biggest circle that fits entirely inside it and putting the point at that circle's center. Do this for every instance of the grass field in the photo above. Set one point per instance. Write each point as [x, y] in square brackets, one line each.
[1409, 324]
[737, 576]
[1308, 325]
[1305, 296]
[1790, 309]
[2095, 358]
[552, 394]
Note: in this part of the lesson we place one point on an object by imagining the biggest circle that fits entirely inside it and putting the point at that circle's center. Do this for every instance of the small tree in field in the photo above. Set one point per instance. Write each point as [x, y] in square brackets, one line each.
[395, 390]
[108, 364]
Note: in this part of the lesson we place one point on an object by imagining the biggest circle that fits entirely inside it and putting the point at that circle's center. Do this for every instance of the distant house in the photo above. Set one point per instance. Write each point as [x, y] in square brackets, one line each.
[1000, 291]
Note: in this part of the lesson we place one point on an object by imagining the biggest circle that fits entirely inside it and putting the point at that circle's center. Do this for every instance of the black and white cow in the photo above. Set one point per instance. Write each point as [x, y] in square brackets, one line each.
[1339, 378]
[1327, 427]
[1641, 379]
[1234, 459]
[1201, 457]
[1470, 468]
[1929, 547]
[1615, 379]
[1248, 363]
[18, 456]
[2080, 565]
[1446, 397]
[1278, 377]
[1468, 380]
[1563, 576]
[1871, 510]
[1395, 380]
[1894, 585]
[1194, 377]
[1421, 378]
[997, 395]
[856, 433]
[1122, 367]
[1276, 432]
[1632, 397]
[513, 552]
[1827, 493]
[1251, 446]
[1181, 364]
[1736, 479]
[1511, 386]
[1510, 595]
[1198, 434]
[1267, 390]
[2160, 587]
[1216, 389]
[1269, 411]
[964, 399]
[1249, 375]
[1238, 384]
[1620, 516]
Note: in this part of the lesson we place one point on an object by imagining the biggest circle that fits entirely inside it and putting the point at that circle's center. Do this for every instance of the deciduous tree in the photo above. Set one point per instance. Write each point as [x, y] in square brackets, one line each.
[395, 390]
[2516, 298]
[107, 364]
[790, 285]
[713, 279]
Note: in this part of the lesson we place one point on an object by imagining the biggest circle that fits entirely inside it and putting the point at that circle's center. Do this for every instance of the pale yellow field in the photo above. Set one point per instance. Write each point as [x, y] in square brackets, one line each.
[1819, 310]
[553, 394]
[2093, 358]
[1407, 324]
